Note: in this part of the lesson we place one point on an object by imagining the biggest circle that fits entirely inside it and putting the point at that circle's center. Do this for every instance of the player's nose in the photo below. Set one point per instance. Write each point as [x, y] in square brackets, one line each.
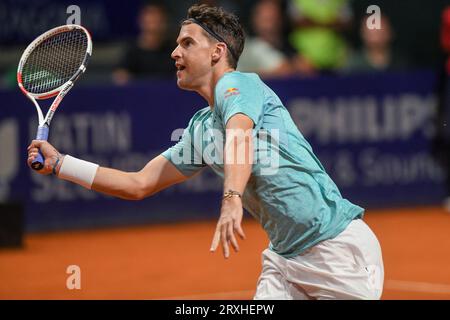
[175, 53]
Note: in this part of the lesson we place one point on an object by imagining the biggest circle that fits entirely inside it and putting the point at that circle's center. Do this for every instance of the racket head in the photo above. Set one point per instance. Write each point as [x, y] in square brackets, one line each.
[53, 60]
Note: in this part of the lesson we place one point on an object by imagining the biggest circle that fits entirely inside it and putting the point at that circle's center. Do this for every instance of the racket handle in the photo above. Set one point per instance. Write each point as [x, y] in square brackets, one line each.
[42, 134]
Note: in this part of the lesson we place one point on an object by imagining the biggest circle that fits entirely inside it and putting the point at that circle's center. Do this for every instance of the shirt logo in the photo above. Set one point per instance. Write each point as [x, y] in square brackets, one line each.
[231, 92]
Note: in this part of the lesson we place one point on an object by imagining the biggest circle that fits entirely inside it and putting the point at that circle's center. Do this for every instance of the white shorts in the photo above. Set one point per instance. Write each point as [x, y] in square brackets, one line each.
[349, 266]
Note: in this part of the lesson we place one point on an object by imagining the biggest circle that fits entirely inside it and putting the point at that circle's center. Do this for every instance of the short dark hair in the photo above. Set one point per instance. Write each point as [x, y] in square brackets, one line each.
[224, 24]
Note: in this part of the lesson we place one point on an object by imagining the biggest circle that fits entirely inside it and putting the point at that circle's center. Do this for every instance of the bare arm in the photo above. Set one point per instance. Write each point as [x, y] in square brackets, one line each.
[238, 153]
[238, 156]
[158, 174]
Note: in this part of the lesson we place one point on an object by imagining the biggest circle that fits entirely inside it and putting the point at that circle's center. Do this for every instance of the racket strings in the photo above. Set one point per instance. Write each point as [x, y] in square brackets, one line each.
[54, 61]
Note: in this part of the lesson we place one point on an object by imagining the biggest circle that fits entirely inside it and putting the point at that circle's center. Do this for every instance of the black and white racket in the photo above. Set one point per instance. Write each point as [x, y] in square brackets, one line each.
[49, 67]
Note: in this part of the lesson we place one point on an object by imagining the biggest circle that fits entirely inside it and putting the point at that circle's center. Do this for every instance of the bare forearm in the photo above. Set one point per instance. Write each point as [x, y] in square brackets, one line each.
[157, 175]
[238, 165]
[238, 153]
[236, 177]
[116, 183]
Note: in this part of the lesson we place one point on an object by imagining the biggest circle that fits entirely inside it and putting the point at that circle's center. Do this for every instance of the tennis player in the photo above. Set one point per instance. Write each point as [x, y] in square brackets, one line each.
[320, 248]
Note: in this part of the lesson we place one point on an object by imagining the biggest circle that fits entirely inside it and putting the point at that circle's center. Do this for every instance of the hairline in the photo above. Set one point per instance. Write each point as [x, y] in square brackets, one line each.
[187, 22]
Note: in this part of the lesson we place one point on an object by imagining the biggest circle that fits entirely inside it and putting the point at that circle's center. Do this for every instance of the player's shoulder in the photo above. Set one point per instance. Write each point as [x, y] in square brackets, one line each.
[235, 81]
[237, 78]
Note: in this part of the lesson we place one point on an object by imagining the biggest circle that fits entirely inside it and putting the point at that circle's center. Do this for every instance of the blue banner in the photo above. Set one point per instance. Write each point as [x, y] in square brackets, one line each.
[21, 21]
[371, 132]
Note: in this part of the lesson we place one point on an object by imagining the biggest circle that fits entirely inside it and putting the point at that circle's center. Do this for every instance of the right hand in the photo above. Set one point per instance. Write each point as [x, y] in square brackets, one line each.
[229, 223]
[48, 151]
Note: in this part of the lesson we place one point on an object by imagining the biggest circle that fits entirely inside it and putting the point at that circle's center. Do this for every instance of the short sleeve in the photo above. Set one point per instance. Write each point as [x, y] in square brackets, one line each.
[238, 93]
[183, 154]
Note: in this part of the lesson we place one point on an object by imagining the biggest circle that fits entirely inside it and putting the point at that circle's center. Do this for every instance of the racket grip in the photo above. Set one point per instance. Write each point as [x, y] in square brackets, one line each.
[42, 134]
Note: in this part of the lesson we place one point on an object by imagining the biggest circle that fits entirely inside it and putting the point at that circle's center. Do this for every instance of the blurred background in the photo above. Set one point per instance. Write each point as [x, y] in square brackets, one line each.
[374, 104]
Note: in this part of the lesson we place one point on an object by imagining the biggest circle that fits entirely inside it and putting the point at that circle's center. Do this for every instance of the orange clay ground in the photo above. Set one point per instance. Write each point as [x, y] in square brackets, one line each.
[174, 262]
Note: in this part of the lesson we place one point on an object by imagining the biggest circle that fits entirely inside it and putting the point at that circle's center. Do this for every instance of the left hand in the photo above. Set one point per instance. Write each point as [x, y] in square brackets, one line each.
[229, 223]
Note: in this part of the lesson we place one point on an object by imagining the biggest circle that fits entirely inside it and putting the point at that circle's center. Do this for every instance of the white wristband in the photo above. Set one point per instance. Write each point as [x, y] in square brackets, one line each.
[78, 171]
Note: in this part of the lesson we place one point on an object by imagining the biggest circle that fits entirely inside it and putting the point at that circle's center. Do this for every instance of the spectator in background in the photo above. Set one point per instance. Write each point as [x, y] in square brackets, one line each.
[376, 53]
[317, 35]
[263, 53]
[149, 56]
[441, 142]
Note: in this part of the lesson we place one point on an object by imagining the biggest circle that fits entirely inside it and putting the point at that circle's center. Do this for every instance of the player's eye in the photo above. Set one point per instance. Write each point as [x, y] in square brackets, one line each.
[187, 43]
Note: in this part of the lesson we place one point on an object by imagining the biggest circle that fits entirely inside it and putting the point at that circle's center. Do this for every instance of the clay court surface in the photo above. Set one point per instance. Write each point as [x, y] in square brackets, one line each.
[173, 261]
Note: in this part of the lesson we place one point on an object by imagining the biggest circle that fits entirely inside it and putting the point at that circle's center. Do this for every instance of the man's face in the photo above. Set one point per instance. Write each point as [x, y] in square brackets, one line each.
[153, 20]
[193, 57]
[373, 38]
[266, 19]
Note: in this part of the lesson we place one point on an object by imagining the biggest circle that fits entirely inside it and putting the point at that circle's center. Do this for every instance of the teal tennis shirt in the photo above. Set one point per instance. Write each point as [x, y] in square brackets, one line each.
[288, 192]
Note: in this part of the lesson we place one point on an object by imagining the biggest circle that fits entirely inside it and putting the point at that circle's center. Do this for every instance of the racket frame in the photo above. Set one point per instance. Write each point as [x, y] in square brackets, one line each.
[60, 92]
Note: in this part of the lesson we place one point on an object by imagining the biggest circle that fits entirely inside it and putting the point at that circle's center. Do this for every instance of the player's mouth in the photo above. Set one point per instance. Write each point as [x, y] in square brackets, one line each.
[179, 67]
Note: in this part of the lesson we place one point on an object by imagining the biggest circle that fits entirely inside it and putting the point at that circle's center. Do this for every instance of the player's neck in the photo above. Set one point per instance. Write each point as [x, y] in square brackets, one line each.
[207, 91]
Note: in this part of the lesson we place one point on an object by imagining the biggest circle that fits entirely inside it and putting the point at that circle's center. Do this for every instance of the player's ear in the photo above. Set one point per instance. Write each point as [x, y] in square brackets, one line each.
[219, 51]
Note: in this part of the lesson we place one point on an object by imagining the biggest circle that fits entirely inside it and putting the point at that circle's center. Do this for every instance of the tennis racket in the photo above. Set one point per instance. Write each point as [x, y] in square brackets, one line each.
[49, 67]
